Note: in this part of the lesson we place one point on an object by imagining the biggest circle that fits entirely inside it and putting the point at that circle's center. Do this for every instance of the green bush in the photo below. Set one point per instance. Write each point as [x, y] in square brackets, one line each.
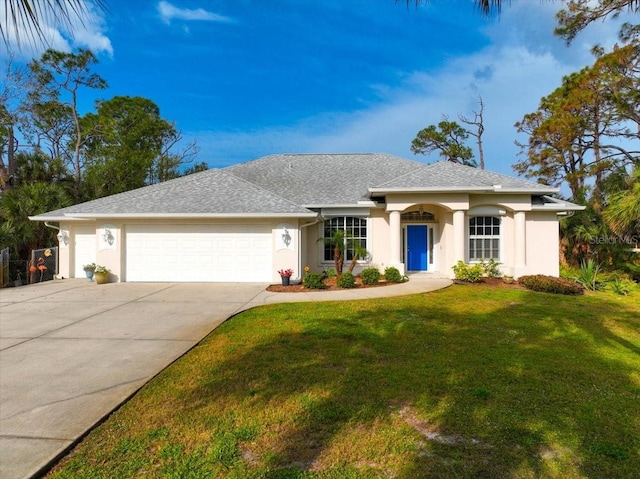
[621, 286]
[330, 273]
[346, 280]
[392, 275]
[491, 268]
[370, 275]
[313, 281]
[588, 275]
[551, 284]
[467, 272]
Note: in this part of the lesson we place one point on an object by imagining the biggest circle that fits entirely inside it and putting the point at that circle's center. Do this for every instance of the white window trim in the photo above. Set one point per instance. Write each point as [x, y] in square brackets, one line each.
[321, 236]
[499, 237]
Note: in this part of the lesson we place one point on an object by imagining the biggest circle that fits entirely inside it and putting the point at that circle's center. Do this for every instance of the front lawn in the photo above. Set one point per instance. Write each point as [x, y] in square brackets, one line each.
[466, 382]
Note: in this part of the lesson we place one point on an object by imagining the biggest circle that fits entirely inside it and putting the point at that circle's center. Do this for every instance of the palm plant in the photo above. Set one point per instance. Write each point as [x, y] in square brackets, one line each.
[337, 241]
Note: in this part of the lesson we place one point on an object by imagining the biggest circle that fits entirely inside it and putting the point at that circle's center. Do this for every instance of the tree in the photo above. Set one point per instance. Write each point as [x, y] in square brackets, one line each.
[57, 73]
[131, 147]
[478, 122]
[575, 135]
[578, 14]
[448, 137]
[31, 14]
[623, 211]
[14, 86]
[337, 241]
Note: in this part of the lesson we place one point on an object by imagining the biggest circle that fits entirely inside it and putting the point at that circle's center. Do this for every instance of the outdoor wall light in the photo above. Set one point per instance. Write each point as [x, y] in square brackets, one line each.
[108, 237]
[63, 237]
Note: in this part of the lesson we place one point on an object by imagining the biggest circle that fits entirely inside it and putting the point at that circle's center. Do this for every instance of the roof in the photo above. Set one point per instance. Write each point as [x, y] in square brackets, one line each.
[323, 179]
[291, 185]
[211, 193]
[446, 176]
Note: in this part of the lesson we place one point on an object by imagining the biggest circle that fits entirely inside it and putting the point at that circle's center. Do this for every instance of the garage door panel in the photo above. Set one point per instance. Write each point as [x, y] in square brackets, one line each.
[211, 253]
[85, 249]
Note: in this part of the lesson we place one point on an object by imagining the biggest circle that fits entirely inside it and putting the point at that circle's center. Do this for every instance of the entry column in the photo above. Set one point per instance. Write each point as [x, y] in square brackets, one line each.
[395, 231]
[458, 236]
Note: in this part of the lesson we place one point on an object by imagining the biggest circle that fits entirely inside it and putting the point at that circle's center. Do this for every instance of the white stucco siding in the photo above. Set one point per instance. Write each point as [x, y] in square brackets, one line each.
[543, 247]
[83, 238]
[207, 253]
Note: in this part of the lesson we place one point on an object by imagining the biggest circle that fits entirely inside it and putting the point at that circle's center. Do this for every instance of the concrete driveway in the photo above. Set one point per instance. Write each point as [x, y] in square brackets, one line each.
[72, 351]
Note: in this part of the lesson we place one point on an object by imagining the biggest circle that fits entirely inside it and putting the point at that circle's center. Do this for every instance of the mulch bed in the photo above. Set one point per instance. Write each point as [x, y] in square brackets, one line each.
[332, 286]
[330, 283]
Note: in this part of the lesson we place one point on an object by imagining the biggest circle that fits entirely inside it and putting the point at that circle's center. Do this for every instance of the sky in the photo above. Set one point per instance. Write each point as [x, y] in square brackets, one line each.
[249, 78]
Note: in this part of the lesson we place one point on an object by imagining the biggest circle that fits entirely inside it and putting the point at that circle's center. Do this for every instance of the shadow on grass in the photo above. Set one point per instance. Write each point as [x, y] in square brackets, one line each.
[544, 386]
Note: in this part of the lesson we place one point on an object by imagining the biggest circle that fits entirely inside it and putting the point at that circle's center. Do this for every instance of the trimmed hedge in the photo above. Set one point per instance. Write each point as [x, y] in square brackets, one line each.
[370, 276]
[392, 275]
[346, 280]
[313, 281]
[551, 284]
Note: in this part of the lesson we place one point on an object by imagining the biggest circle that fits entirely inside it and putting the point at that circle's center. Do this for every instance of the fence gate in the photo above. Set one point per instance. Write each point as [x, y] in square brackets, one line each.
[43, 265]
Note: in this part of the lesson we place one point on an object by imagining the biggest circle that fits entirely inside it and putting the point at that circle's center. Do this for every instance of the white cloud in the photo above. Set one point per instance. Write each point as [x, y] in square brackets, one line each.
[523, 63]
[87, 31]
[169, 12]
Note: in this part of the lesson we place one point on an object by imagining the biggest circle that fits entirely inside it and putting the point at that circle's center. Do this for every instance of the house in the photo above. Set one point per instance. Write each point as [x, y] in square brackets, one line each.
[245, 222]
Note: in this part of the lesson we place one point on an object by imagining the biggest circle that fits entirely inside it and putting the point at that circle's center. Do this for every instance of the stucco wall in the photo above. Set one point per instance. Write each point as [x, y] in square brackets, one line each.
[543, 247]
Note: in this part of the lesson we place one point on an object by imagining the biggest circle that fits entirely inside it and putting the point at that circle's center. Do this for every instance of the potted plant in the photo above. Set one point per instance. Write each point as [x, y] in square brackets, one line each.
[89, 269]
[101, 274]
[285, 275]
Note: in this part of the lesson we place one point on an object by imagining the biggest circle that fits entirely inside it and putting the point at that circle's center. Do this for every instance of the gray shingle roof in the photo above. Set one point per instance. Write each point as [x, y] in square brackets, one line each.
[446, 175]
[211, 192]
[322, 179]
[286, 185]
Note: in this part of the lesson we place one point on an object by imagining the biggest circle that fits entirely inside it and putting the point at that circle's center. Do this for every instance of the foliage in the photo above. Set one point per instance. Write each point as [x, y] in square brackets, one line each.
[491, 268]
[459, 383]
[448, 138]
[551, 284]
[576, 15]
[621, 286]
[346, 280]
[313, 281]
[337, 241]
[101, 269]
[358, 251]
[588, 276]
[633, 269]
[623, 210]
[470, 273]
[370, 275]
[90, 267]
[392, 275]
[330, 273]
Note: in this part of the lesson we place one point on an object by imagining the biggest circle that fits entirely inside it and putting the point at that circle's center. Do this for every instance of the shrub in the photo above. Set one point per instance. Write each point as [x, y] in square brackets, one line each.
[330, 273]
[370, 275]
[467, 272]
[551, 284]
[392, 275]
[588, 275]
[491, 268]
[346, 280]
[621, 286]
[313, 281]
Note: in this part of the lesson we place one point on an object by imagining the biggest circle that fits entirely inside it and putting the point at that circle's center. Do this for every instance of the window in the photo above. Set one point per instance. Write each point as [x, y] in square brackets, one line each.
[484, 238]
[355, 230]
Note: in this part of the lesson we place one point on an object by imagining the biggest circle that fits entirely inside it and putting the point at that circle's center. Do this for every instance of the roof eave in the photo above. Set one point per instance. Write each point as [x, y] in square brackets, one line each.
[89, 216]
[475, 189]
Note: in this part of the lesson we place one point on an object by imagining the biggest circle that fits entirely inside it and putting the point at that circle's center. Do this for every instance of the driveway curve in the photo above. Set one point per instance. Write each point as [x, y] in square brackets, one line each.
[72, 351]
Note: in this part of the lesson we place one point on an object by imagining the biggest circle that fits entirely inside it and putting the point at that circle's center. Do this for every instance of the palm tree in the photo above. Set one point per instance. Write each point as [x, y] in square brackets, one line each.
[337, 240]
[31, 14]
[623, 211]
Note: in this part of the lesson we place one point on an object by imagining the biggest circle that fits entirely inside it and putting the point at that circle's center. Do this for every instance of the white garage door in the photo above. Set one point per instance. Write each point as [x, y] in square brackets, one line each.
[85, 249]
[208, 253]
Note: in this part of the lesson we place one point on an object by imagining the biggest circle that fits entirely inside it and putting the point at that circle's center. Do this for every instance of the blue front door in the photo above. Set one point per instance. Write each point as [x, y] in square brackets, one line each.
[417, 248]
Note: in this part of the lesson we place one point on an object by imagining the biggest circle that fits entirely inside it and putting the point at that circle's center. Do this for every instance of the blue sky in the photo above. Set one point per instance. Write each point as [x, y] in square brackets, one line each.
[248, 78]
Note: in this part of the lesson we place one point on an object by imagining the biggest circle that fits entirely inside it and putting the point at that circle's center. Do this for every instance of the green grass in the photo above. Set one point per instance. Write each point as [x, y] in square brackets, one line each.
[466, 382]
